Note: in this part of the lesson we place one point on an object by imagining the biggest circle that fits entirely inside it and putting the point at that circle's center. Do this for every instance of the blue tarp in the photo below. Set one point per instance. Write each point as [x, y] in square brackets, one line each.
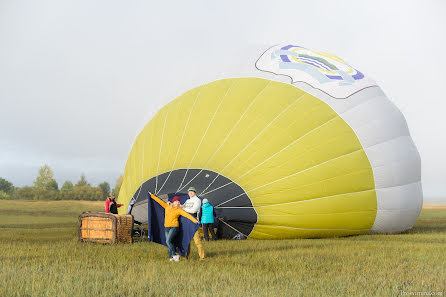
[156, 226]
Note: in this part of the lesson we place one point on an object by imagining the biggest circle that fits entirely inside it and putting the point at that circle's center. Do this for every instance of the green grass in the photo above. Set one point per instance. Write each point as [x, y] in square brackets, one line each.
[40, 256]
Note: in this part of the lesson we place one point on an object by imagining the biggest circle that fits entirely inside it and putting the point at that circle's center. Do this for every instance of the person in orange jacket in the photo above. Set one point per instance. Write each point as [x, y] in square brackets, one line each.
[172, 212]
[172, 226]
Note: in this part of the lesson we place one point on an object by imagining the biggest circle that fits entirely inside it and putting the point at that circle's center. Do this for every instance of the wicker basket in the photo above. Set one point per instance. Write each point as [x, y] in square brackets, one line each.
[124, 227]
[104, 227]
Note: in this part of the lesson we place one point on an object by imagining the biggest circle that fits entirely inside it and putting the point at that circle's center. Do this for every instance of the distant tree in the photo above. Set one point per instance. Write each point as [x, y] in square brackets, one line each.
[4, 195]
[87, 193]
[66, 192]
[24, 193]
[6, 186]
[45, 179]
[96, 193]
[105, 187]
[118, 186]
[82, 181]
[83, 191]
[53, 185]
[45, 186]
[46, 195]
[67, 186]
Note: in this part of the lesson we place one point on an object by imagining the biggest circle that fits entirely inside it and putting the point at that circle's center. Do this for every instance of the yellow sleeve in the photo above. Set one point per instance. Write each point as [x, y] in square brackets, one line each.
[161, 202]
[182, 212]
[187, 215]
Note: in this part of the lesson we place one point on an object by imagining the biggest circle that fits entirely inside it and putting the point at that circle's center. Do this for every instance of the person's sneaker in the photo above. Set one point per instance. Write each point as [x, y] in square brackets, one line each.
[171, 259]
[176, 258]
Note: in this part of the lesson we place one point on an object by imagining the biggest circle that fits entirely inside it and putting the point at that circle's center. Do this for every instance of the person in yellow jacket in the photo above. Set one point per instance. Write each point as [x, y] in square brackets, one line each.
[172, 211]
[172, 226]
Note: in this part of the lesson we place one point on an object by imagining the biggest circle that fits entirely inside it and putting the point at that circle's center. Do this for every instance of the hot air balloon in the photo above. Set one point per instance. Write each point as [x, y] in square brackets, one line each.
[325, 154]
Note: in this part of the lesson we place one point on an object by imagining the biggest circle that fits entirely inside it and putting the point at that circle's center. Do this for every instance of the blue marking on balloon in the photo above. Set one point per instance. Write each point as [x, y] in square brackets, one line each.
[358, 75]
[311, 67]
[311, 70]
[347, 79]
[287, 47]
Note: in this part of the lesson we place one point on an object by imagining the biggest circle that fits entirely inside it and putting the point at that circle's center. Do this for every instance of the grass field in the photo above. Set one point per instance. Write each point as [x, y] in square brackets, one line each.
[40, 256]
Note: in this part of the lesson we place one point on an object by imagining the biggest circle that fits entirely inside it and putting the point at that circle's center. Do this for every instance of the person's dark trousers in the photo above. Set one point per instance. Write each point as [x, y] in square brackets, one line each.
[206, 228]
[113, 208]
[171, 232]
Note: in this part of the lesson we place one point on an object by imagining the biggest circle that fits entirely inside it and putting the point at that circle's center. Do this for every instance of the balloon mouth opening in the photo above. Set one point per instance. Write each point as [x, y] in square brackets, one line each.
[234, 209]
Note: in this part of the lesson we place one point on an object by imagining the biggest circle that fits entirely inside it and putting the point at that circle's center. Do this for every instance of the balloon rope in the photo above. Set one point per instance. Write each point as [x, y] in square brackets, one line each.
[232, 129]
[233, 227]
[260, 133]
[205, 132]
[272, 156]
[184, 132]
[142, 170]
[294, 142]
[161, 147]
[298, 201]
[291, 175]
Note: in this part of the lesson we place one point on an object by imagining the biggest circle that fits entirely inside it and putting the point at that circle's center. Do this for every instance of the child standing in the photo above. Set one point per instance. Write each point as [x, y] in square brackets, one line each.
[206, 217]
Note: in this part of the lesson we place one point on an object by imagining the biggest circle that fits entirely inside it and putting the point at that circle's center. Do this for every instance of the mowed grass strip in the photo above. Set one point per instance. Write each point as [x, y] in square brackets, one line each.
[66, 208]
[47, 260]
[43, 214]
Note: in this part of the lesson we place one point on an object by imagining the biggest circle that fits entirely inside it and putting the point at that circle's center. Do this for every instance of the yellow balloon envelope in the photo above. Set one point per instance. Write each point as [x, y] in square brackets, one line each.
[274, 160]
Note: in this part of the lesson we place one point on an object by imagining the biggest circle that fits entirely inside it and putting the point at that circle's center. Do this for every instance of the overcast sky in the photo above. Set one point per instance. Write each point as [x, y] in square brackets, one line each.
[80, 79]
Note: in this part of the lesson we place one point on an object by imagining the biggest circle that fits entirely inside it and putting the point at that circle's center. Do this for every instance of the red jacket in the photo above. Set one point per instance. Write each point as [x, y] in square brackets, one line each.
[107, 205]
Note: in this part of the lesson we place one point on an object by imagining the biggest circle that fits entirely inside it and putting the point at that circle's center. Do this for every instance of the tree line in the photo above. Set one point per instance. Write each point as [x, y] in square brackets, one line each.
[46, 188]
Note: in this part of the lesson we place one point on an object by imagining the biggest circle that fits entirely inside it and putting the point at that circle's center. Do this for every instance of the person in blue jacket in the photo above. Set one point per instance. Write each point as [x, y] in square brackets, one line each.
[206, 217]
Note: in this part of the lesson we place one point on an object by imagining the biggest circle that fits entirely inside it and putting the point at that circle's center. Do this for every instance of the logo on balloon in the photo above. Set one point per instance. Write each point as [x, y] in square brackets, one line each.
[322, 66]
[323, 71]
